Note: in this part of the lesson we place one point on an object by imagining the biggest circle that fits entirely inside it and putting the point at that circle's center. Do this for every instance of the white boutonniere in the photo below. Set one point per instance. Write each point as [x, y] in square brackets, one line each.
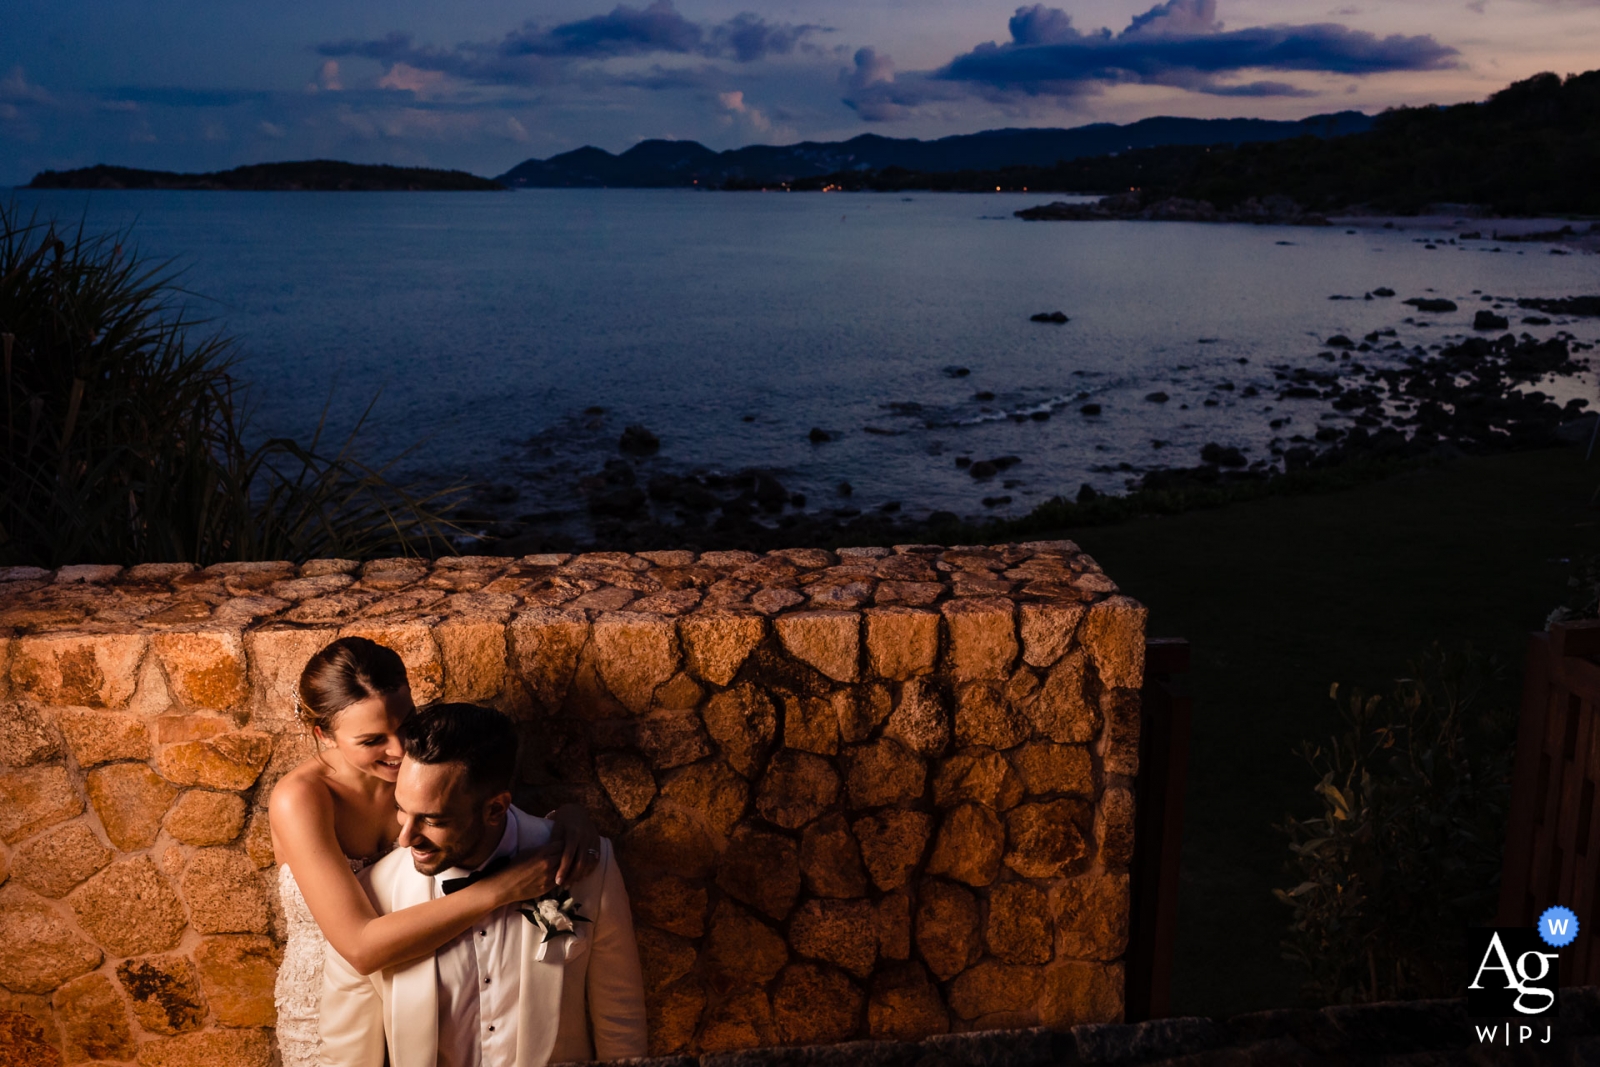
[556, 912]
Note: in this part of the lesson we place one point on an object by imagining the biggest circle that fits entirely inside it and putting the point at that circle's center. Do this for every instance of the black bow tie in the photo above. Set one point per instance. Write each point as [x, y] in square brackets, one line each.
[494, 866]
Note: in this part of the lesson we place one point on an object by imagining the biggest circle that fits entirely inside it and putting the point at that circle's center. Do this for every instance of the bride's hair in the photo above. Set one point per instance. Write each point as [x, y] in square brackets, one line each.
[351, 669]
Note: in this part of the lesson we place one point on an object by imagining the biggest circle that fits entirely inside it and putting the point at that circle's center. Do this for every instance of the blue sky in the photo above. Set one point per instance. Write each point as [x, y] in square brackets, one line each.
[484, 84]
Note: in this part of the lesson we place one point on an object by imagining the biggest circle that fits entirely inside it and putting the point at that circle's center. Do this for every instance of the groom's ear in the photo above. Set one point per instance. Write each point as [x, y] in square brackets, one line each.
[495, 807]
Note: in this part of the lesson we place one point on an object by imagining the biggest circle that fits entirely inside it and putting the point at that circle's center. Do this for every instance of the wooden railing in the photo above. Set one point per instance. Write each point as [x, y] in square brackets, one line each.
[1553, 844]
[1158, 829]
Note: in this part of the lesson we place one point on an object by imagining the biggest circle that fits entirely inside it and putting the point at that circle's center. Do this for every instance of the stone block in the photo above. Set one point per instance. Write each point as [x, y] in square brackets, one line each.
[627, 781]
[1018, 928]
[892, 916]
[1113, 632]
[38, 949]
[55, 862]
[716, 643]
[475, 654]
[904, 1005]
[761, 869]
[230, 761]
[742, 1019]
[276, 656]
[743, 722]
[947, 927]
[830, 641]
[741, 949]
[995, 988]
[131, 801]
[671, 739]
[892, 843]
[202, 817]
[674, 904]
[1048, 768]
[663, 958]
[882, 772]
[810, 724]
[171, 729]
[24, 1042]
[224, 893]
[1119, 744]
[902, 643]
[830, 859]
[673, 1015]
[94, 1022]
[796, 788]
[977, 776]
[1046, 838]
[1091, 916]
[237, 973]
[35, 798]
[712, 789]
[25, 737]
[969, 846]
[636, 654]
[1033, 1047]
[841, 932]
[165, 992]
[861, 709]
[1074, 994]
[669, 840]
[1113, 827]
[413, 642]
[681, 693]
[83, 670]
[1048, 630]
[95, 737]
[1061, 712]
[985, 718]
[813, 1005]
[129, 909]
[206, 671]
[921, 718]
[982, 638]
[211, 1048]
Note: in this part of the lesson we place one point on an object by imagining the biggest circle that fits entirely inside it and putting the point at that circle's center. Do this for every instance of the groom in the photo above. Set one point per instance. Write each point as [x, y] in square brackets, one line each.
[499, 995]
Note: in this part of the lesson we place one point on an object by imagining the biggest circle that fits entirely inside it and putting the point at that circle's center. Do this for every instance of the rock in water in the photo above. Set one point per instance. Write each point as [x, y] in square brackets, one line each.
[1057, 317]
[1488, 320]
[1222, 456]
[819, 436]
[639, 441]
[1428, 303]
[1090, 409]
[1157, 397]
[1383, 290]
[956, 372]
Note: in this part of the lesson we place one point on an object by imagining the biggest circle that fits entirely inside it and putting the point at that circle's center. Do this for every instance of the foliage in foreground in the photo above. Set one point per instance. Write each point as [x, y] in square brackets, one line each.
[1406, 851]
[122, 438]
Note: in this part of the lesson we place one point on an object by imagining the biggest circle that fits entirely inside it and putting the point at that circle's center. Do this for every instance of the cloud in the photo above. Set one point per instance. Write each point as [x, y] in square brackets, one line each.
[16, 89]
[328, 79]
[534, 54]
[1179, 43]
[403, 77]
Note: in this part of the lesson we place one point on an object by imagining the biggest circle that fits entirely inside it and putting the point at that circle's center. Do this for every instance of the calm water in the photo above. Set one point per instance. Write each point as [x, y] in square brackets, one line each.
[732, 324]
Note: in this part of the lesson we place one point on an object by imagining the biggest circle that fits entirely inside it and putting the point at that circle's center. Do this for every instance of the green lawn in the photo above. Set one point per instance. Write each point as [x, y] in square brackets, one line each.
[1282, 596]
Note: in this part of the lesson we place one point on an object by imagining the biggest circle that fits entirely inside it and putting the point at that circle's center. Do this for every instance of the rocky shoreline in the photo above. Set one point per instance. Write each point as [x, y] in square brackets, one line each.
[1278, 210]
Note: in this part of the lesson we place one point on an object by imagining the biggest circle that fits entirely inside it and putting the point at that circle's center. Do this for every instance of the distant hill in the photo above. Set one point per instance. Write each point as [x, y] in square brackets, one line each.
[655, 163]
[322, 175]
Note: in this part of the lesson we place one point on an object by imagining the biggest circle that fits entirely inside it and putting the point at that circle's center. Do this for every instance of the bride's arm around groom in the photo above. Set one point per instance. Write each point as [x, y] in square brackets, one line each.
[501, 994]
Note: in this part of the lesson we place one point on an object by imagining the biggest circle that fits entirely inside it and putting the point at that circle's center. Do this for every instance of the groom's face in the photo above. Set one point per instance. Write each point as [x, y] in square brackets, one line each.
[444, 820]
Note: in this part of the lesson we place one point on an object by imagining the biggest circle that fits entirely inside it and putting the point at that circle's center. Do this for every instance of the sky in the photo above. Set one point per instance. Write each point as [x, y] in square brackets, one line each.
[482, 85]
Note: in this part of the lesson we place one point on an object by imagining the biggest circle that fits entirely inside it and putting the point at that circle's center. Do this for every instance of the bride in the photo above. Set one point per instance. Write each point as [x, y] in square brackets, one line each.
[335, 814]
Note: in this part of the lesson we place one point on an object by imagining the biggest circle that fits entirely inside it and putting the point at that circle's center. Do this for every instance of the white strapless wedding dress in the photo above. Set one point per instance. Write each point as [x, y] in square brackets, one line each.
[298, 992]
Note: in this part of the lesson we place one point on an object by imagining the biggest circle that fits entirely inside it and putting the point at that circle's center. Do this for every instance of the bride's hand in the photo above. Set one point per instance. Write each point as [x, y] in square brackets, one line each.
[529, 876]
[579, 842]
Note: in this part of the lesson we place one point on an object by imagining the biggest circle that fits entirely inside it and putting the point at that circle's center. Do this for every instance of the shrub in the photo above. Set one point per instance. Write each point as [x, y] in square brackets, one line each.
[1406, 851]
[123, 436]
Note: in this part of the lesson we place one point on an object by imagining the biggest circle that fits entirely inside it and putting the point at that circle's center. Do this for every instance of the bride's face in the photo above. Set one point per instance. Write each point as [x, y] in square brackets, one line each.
[366, 733]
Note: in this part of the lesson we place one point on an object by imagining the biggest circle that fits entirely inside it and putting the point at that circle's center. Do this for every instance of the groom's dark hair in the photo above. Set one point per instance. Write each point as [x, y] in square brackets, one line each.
[480, 738]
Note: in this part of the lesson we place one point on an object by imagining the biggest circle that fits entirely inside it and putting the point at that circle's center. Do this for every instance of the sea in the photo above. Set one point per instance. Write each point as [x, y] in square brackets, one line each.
[508, 339]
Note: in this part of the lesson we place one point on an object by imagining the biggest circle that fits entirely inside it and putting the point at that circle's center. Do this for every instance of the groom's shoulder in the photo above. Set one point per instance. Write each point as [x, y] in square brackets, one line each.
[380, 875]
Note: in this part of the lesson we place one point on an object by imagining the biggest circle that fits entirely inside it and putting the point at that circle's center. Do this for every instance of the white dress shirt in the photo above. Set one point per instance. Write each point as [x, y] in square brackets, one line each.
[479, 977]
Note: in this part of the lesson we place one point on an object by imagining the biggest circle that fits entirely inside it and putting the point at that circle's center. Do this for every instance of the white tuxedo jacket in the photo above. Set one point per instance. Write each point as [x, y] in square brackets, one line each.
[583, 999]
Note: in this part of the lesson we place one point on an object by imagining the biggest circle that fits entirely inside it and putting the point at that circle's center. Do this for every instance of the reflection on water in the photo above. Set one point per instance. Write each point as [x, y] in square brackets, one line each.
[733, 325]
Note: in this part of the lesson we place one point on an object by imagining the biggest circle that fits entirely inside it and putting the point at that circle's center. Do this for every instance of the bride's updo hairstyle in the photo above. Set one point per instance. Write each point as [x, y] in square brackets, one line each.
[350, 670]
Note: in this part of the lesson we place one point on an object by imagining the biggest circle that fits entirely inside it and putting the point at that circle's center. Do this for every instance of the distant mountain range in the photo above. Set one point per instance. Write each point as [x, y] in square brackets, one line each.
[311, 175]
[656, 163]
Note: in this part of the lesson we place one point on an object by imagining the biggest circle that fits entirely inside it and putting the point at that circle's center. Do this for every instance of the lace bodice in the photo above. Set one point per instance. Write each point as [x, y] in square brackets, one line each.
[298, 993]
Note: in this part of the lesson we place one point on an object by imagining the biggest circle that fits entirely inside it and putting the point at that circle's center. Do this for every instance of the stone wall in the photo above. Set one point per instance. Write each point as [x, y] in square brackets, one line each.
[883, 793]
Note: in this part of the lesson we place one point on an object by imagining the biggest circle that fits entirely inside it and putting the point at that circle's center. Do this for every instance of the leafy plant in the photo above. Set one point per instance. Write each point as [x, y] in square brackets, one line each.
[1583, 593]
[1406, 851]
[123, 438]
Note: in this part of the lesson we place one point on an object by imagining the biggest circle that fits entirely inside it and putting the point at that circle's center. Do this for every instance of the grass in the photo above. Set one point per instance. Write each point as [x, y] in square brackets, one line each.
[1280, 597]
